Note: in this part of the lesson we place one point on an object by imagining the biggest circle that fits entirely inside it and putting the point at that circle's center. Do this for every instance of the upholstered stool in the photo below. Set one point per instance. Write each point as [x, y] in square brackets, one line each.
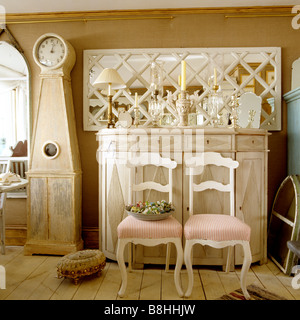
[80, 264]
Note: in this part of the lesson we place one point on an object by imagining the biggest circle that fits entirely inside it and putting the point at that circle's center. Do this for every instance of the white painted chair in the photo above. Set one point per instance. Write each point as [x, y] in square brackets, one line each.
[212, 229]
[150, 233]
[4, 167]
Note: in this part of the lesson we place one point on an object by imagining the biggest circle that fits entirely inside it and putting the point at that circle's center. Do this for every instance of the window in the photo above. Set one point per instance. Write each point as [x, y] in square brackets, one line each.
[14, 111]
[13, 119]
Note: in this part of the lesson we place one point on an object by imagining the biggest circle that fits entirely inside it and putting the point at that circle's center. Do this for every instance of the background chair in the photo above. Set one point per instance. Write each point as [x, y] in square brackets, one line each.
[215, 230]
[19, 166]
[150, 233]
[4, 167]
[294, 246]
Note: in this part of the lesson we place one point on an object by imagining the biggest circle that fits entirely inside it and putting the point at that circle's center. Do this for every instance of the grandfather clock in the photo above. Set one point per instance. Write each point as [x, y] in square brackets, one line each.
[54, 173]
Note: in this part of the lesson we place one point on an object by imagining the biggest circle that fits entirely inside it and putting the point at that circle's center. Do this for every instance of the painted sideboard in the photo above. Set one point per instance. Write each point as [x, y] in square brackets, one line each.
[248, 146]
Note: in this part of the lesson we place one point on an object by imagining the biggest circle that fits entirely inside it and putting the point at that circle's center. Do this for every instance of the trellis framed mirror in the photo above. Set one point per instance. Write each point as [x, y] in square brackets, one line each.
[238, 70]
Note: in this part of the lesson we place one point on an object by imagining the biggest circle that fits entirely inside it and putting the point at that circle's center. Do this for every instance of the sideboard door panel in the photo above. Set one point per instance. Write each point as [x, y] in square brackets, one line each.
[114, 199]
[250, 201]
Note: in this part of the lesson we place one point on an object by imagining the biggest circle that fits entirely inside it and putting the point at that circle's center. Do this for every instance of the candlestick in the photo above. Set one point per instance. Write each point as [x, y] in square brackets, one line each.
[183, 106]
[251, 118]
[183, 75]
[136, 121]
[234, 104]
[155, 109]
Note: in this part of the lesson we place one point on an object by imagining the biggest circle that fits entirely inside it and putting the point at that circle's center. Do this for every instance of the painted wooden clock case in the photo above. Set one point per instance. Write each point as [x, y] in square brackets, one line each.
[54, 173]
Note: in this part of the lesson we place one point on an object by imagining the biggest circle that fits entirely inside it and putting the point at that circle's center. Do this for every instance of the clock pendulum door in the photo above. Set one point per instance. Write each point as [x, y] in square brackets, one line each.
[54, 173]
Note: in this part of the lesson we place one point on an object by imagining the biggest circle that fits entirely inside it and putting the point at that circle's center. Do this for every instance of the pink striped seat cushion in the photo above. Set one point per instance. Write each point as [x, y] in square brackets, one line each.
[131, 227]
[217, 227]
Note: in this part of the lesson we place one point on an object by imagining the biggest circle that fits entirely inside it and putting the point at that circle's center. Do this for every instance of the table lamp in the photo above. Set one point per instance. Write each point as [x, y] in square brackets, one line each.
[109, 79]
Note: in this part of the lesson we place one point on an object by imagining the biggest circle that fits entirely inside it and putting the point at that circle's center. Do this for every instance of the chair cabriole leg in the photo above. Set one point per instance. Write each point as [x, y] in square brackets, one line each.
[120, 258]
[188, 263]
[245, 268]
[179, 261]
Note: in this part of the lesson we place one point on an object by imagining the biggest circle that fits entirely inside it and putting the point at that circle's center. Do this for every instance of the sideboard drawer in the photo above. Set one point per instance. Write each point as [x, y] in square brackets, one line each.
[250, 143]
[217, 142]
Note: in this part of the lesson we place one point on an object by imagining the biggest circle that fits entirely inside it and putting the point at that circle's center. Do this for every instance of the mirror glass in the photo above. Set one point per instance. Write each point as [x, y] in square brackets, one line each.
[236, 71]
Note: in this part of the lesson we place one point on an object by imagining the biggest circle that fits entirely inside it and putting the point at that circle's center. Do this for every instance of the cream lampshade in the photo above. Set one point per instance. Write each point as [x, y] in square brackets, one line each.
[109, 79]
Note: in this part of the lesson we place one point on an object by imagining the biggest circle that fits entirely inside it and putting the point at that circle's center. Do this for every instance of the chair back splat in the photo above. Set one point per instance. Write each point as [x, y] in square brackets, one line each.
[147, 159]
[211, 158]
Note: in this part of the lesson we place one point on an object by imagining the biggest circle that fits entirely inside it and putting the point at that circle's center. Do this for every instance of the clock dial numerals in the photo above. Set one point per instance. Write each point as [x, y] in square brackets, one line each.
[51, 51]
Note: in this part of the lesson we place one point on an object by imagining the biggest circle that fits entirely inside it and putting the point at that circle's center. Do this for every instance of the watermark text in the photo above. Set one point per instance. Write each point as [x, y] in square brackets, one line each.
[296, 18]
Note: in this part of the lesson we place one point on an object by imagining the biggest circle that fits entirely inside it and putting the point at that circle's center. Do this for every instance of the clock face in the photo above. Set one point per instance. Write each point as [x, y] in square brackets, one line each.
[51, 51]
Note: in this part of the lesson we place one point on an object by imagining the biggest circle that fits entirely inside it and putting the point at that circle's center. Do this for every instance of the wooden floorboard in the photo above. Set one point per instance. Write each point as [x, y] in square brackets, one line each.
[35, 278]
[151, 285]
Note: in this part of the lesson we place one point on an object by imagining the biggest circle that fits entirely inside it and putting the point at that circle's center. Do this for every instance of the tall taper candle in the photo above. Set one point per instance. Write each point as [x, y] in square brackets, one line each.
[215, 76]
[183, 75]
[136, 100]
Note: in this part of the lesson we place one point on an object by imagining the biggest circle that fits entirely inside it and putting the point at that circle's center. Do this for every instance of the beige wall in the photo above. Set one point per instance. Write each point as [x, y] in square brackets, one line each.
[185, 30]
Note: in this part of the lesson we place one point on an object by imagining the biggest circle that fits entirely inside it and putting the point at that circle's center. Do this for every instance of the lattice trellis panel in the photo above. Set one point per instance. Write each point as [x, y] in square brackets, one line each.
[239, 70]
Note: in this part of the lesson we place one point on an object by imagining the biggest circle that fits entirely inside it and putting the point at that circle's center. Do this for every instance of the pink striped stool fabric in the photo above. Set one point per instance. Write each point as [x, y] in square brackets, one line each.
[131, 227]
[217, 227]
